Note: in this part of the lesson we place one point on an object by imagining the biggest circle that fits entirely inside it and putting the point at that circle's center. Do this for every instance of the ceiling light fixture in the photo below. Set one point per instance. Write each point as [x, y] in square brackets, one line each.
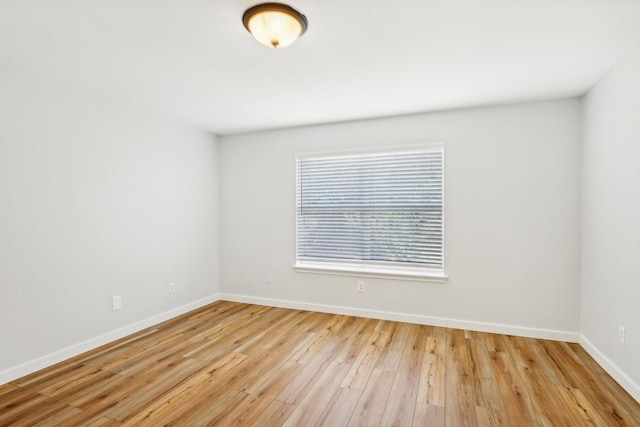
[274, 24]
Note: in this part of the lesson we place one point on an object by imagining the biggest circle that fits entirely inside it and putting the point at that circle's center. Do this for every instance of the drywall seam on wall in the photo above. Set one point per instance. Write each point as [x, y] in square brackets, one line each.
[90, 344]
[409, 318]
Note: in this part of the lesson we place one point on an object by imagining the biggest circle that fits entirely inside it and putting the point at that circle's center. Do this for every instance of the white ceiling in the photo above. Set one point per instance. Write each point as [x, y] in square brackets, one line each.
[193, 59]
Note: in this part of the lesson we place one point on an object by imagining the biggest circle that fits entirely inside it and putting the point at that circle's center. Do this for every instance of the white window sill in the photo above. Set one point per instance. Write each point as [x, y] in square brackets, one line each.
[413, 274]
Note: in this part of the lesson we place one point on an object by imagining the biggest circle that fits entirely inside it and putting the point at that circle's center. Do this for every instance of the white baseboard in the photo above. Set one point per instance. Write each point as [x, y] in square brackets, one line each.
[612, 369]
[410, 318]
[76, 349]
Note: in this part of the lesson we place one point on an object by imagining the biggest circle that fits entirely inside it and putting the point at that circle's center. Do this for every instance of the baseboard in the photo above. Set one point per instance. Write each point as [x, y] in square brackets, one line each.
[76, 349]
[410, 318]
[90, 344]
[612, 369]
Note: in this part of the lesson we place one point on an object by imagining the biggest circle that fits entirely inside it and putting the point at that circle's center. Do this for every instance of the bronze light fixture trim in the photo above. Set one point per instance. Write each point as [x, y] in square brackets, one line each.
[274, 24]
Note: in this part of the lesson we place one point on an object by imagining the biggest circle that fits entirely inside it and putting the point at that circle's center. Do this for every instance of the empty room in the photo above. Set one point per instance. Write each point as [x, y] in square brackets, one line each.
[320, 213]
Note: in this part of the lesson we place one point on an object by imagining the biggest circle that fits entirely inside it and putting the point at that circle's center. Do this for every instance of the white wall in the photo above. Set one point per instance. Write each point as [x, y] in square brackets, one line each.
[96, 200]
[611, 222]
[511, 219]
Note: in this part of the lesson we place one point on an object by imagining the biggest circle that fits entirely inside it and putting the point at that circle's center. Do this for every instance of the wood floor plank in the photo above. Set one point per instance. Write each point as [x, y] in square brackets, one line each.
[439, 332]
[517, 402]
[553, 368]
[372, 403]
[432, 378]
[130, 396]
[351, 346]
[222, 327]
[489, 417]
[77, 383]
[104, 422]
[320, 339]
[311, 406]
[538, 385]
[299, 386]
[51, 408]
[264, 331]
[48, 376]
[119, 385]
[56, 418]
[391, 361]
[139, 355]
[459, 392]
[401, 405]
[226, 337]
[256, 367]
[494, 342]
[352, 324]
[365, 362]
[390, 355]
[485, 385]
[208, 411]
[264, 362]
[625, 399]
[12, 413]
[580, 409]
[273, 385]
[6, 388]
[339, 409]
[234, 364]
[275, 414]
[182, 393]
[429, 415]
[108, 350]
[247, 410]
[608, 407]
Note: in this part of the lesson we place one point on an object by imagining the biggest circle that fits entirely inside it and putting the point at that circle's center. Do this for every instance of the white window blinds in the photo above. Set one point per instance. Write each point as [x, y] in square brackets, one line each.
[377, 208]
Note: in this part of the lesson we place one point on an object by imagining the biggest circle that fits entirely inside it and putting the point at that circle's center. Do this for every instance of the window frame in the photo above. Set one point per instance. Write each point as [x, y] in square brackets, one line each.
[364, 268]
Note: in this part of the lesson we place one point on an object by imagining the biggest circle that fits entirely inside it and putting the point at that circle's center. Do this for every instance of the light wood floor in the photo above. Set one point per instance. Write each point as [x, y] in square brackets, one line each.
[239, 364]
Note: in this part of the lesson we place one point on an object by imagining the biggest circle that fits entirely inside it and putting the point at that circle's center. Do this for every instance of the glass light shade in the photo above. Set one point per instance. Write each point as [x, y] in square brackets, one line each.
[274, 24]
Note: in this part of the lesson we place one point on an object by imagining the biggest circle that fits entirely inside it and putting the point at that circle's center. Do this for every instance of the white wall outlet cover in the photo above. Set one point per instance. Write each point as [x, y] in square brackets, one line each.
[117, 302]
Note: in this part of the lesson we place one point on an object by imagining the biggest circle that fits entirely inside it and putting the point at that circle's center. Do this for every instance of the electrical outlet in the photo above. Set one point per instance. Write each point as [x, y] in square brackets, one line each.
[360, 286]
[621, 334]
[116, 303]
[172, 287]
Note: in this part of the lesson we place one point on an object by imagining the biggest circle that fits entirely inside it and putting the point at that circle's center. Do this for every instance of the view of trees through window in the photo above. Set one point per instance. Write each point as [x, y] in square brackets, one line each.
[374, 207]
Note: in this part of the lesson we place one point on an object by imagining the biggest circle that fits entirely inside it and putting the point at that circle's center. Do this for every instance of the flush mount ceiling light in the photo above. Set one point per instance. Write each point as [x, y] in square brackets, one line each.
[274, 24]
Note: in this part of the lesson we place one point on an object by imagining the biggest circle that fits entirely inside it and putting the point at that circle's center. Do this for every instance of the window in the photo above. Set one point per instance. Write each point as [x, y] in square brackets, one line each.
[377, 214]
